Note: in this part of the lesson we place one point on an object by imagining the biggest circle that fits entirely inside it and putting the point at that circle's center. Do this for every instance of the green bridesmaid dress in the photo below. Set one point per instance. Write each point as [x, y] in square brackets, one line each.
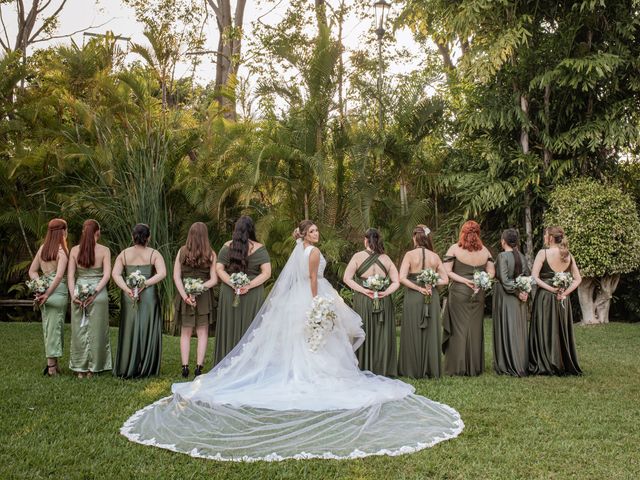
[552, 349]
[510, 319]
[140, 335]
[90, 343]
[232, 322]
[378, 352]
[54, 311]
[421, 333]
[462, 321]
[204, 311]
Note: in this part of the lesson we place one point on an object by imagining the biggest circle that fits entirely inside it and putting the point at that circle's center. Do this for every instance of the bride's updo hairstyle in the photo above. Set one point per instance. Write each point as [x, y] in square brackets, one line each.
[374, 240]
[470, 237]
[560, 240]
[243, 232]
[422, 236]
[303, 227]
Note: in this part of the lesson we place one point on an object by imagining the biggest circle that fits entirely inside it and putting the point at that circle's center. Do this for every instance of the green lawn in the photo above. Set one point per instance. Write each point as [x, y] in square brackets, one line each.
[587, 427]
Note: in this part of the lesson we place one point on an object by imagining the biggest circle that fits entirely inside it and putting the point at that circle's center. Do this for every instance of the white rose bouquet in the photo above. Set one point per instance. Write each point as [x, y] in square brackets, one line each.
[136, 281]
[84, 291]
[482, 281]
[238, 280]
[376, 283]
[39, 286]
[562, 280]
[428, 276]
[193, 287]
[320, 321]
[524, 284]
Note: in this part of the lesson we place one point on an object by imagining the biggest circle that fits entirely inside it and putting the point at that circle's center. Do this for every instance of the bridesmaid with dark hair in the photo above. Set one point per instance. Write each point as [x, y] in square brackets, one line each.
[242, 254]
[552, 349]
[421, 332]
[462, 320]
[140, 336]
[195, 260]
[90, 263]
[378, 352]
[51, 259]
[510, 310]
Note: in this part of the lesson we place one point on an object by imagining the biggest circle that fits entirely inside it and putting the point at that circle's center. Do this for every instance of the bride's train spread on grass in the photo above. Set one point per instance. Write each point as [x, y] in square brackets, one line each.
[272, 398]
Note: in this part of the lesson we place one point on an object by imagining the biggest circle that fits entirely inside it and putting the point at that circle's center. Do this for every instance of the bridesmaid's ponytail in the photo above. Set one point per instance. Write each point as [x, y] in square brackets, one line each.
[374, 240]
[87, 247]
[512, 238]
[560, 240]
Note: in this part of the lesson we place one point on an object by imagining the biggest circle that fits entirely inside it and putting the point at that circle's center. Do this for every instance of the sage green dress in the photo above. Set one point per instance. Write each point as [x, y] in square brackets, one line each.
[421, 333]
[378, 352]
[204, 311]
[510, 318]
[54, 311]
[90, 343]
[140, 336]
[232, 322]
[462, 321]
[552, 349]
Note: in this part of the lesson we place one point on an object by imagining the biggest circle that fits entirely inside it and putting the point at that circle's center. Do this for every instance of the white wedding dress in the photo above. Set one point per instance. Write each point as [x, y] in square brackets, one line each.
[272, 398]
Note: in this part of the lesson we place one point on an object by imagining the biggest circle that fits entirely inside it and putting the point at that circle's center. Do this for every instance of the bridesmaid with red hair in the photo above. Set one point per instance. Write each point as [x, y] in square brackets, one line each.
[463, 337]
[51, 259]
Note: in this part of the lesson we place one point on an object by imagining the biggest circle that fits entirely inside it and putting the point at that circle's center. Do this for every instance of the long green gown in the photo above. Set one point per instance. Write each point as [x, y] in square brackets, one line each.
[378, 352]
[90, 343]
[232, 322]
[140, 336]
[462, 320]
[204, 311]
[54, 311]
[552, 349]
[510, 319]
[421, 333]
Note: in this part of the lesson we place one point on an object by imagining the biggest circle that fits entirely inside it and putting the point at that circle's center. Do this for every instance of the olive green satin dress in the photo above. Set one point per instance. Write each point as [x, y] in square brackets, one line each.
[421, 333]
[90, 343]
[204, 311]
[378, 352]
[54, 311]
[552, 349]
[462, 321]
[140, 336]
[510, 319]
[232, 322]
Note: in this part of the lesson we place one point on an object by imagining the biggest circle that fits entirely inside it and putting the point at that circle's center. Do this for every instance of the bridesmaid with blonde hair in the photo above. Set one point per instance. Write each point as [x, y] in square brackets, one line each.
[51, 259]
[421, 332]
[90, 264]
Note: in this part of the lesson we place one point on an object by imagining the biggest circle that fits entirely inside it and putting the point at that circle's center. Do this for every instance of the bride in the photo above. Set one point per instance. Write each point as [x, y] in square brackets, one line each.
[274, 398]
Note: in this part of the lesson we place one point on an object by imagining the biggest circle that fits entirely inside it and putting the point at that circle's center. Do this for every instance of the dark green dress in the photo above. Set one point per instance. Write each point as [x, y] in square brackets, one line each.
[510, 319]
[90, 343]
[204, 311]
[232, 322]
[552, 349]
[54, 311]
[140, 335]
[421, 333]
[378, 352]
[462, 321]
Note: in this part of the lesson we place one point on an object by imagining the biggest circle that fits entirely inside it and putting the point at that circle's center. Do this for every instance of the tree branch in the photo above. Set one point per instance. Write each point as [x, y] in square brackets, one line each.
[214, 7]
[44, 7]
[55, 37]
[46, 20]
[6, 46]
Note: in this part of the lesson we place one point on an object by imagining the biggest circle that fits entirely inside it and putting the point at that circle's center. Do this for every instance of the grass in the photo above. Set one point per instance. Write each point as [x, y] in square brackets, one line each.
[553, 428]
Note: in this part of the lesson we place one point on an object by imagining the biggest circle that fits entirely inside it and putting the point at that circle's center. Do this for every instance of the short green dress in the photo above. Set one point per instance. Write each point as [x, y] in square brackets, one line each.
[462, 322]
[54, 311]
[232, 322]
[204, 311]
[90, 343]
[510, 319]
[378, 352]
[421, 333]
[140, 336]
[552, 349]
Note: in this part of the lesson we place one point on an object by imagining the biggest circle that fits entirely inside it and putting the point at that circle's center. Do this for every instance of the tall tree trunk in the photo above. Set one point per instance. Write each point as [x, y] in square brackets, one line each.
[524, 145]
[404, 204]
[595, 296]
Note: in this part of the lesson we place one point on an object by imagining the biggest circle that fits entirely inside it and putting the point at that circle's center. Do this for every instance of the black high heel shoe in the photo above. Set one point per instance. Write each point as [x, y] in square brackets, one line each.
[198, 370]
[185, 371]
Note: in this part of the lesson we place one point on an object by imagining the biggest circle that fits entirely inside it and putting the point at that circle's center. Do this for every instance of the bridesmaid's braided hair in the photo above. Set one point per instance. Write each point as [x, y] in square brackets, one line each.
[243, 232]
[374, 240]
[512, 238]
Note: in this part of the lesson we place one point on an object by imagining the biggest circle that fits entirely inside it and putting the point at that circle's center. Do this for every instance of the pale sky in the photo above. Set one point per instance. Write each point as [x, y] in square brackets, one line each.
[79, 14]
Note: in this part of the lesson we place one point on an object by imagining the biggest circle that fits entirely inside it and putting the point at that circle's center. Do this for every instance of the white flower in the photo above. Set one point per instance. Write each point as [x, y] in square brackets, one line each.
[524, 283]
[428, 276]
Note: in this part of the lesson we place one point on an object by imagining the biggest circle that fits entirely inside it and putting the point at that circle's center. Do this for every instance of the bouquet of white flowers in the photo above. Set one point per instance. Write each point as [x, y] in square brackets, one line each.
[83, 292]
[428, 276]
[524, 283]
[482, 281]
[376, 283]
[320, 321]
[136, 281]
[39, 285]
[238, 280]
[562, 280]
[193, 287]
